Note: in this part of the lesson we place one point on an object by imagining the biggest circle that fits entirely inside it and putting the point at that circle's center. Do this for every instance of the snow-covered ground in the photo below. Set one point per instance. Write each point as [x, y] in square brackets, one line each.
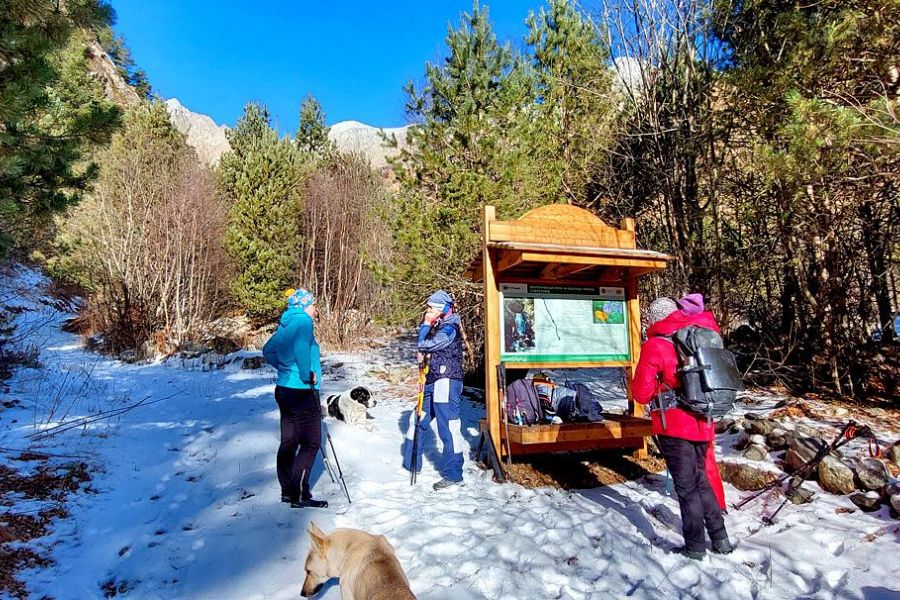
[185, 503]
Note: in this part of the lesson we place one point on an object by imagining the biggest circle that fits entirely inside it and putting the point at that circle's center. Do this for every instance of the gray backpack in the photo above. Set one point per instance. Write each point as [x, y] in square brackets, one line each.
[710, 379]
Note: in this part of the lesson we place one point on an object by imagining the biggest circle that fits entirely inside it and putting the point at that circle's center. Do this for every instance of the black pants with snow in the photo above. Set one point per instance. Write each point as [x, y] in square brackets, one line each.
[700, 511]
[301, 436]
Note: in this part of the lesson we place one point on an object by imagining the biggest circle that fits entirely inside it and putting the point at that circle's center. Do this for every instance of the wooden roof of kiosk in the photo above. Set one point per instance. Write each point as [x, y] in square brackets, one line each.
[560, 244]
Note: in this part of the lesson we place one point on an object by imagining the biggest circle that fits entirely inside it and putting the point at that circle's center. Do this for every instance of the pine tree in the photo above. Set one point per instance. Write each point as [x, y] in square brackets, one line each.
[572, 128]
[312, 132]
[262, 178]
[465, 152]
[43, 127]
[119, 53]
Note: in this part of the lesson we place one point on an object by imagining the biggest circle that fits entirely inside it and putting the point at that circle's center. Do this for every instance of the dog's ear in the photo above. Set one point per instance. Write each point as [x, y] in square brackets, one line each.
[316, 535]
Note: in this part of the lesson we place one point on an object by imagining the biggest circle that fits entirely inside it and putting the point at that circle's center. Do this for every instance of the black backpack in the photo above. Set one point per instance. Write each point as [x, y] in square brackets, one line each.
[710, 379]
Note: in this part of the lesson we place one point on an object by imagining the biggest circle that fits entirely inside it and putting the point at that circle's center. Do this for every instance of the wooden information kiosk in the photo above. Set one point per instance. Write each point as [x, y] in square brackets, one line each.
[560, 291]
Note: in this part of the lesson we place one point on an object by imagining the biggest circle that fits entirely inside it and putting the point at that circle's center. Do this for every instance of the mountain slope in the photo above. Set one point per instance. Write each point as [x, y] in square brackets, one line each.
[203, 134]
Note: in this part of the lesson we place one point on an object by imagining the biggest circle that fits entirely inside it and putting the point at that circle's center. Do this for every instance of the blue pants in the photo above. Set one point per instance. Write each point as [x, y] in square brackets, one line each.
[442, 400]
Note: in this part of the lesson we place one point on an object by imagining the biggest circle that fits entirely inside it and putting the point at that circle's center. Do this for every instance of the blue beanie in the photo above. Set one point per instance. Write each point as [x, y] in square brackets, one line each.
[301, 299]
[440, 299]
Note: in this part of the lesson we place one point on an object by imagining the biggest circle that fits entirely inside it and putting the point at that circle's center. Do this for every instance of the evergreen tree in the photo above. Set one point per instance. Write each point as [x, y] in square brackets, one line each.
[574, 109]
[312, 132]
[464, 152]
[120, 55]
[262, 178]
[44, 125]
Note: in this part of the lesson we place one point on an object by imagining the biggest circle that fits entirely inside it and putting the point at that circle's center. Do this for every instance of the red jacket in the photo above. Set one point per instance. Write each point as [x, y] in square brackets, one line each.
[659, 362]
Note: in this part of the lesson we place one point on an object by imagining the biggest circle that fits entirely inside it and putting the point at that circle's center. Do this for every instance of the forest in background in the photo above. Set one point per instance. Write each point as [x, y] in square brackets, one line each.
[756, 142]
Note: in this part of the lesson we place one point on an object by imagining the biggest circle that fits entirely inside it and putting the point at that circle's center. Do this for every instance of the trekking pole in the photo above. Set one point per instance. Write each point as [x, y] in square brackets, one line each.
[325, 458]
[327, 462]
[849, 432]
[501, 380]
[801, 471]
[337, 463]
[414, 461]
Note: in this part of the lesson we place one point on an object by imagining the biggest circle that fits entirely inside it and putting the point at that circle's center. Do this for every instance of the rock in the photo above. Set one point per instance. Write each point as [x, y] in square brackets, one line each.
[757, 439]
[894, 453]
[866, 502]
[95, 343]
[803, 430]
[891, 489]
[760, 426]
[755, 452]
[253, 362]
[835, 476]
[750, 416]
[191, 350]
[723, 425]
[895, 506]
[839, 412]
[781, 403]
[745, 477]
[777, 439]
[801, 450]
[742, 440]
[128, 356]
[222, 345]
[872, 474]
[801, 495]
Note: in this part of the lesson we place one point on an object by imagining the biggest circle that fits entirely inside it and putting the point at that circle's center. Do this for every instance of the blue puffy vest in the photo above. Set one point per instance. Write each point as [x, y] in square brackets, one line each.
[447, 362]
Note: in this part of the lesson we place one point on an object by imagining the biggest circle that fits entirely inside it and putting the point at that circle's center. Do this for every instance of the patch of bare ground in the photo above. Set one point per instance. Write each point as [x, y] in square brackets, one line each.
[581, 470]
[45, 483]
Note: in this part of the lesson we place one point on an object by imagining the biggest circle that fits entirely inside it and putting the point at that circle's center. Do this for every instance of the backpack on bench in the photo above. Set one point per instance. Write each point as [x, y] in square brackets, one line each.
[522, 404]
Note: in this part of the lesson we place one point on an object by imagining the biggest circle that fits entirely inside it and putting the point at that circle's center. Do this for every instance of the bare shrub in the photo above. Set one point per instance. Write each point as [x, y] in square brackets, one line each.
[341, 230]
[149, 239]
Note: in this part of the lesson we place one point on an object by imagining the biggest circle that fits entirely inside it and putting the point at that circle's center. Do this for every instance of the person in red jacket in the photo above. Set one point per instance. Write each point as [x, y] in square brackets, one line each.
[684, 436]
[690, 305]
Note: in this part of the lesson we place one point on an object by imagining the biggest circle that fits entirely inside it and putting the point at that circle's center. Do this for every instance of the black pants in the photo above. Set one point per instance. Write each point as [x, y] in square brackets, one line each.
[699, 508]
[301, 436]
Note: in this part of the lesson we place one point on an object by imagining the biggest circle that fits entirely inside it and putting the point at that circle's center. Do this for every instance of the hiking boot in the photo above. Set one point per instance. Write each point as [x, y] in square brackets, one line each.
[309, 503]
[722, 546]
[692, 554]
[288, 499]
[445, 483]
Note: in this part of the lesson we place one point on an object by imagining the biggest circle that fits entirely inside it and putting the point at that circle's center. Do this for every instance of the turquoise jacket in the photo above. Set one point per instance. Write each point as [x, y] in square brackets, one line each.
[293, 351]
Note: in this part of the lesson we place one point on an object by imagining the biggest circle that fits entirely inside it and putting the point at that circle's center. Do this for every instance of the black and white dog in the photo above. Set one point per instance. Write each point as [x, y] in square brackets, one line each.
[350, 406]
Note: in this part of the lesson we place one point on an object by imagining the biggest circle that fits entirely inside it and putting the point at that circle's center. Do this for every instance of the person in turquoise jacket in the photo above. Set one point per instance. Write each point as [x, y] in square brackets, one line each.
[294, 353]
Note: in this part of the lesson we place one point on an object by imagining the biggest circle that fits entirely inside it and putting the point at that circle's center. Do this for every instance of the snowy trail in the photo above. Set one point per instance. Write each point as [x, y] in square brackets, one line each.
[187, 502]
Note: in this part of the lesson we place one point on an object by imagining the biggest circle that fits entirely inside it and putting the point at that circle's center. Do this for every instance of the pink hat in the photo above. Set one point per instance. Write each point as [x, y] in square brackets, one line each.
[692, 304]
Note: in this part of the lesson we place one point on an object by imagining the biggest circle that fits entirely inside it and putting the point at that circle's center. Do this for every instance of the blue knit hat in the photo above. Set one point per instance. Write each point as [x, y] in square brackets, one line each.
[439, 300]
[301, 299]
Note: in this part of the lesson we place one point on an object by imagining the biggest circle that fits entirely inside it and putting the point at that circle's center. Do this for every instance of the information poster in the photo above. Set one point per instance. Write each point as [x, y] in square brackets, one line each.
[556, 323]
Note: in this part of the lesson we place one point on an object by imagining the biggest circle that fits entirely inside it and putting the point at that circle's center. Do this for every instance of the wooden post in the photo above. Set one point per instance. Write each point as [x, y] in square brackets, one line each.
[491, 336]
[633, 308]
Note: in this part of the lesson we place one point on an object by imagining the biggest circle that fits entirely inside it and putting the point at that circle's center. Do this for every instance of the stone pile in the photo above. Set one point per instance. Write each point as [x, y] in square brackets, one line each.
[866, 481]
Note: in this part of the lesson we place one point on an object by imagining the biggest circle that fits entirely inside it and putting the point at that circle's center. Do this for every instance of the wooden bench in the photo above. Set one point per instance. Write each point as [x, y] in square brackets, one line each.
[617, 431]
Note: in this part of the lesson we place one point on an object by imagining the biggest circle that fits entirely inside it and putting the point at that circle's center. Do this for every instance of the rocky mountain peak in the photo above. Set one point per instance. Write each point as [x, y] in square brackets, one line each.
[203, 134]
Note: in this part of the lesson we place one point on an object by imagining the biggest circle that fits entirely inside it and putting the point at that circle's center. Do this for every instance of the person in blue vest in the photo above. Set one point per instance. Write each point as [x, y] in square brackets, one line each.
[440, 343]
[294, 353]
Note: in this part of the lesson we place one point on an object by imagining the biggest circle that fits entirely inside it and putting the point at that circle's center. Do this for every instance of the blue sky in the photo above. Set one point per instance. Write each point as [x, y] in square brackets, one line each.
[354, 56]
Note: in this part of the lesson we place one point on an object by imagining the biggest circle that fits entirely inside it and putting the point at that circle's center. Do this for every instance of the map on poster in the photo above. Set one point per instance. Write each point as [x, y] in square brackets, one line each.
[562, 323]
